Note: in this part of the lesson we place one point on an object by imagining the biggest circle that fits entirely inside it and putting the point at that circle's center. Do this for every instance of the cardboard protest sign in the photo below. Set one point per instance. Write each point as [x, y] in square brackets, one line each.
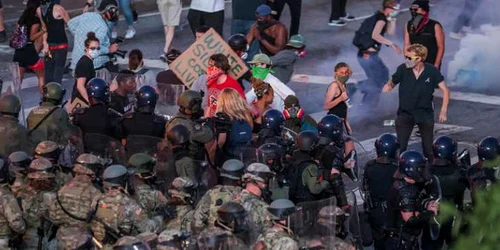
[75, 104]
[194, 61]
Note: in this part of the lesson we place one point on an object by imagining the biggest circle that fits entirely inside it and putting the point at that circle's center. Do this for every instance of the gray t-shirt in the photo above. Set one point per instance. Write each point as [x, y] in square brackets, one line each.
[283, 63]
[201, 84]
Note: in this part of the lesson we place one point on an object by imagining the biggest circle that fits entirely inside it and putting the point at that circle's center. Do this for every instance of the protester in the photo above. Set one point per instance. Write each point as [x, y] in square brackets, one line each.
[418, 80]
[336, 95]
[3, 33]
[27, 57]
[206, 12]
[243, 15]
[423, 30]
[122, 99]
[218, 79]
[463, 22]
[84, 70]
[271, 35]
[284, 61]
[264, 98]
[55, 43]
[295, 118]
[295, 11]
[129, 19]
[170, 11]
[145, 76]
[339, 15]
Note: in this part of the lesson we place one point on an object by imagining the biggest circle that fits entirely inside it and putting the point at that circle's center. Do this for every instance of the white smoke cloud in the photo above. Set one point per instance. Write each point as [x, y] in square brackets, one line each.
[475, 65]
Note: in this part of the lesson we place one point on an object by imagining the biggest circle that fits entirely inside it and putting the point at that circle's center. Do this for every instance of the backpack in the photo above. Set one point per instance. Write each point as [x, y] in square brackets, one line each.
[218, 196]
[19, 37]
[298, 192]
[239, 136]
[363, 36]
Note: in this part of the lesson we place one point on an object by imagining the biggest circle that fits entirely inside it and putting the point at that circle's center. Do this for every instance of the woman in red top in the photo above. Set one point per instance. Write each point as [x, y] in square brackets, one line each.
[218, 80]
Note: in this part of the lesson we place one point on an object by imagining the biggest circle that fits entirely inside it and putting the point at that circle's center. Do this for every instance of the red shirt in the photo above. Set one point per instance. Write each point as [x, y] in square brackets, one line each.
[215, 89]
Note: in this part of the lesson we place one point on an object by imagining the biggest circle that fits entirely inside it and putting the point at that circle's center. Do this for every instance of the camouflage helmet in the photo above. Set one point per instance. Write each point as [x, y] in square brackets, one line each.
[74, 238]
[10, 105]
[115, 176]
[53, 91]
[48, 150]
[142, 163]
[280, 209]
[232, 169]
[19, 162]
[257, 172]
[170, 240]
[88, 164]
[151, 239]
[40, 169]
[331, 216]
[130, 243]
[181, 187]
[190, 100]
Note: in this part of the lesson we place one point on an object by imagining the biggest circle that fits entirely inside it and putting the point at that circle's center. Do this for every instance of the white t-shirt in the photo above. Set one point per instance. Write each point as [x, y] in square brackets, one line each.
[209, 6]
[281, 91]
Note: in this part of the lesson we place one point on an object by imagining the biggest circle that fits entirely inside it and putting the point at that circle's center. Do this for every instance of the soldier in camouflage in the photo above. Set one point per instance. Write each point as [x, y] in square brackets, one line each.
[329, 223]
[36, 199]
[151, 239]
[180, 196]
[116, 213]
[279, 236]
[75, 238]
[229, 229]
[12, 223]
[171, 239]
[145, 193]
[130, 243]
[73, 200]
[50, 150]
[13, 136]
[19, 162]
[179, 137]
[256, 179]
[206, 210]
[49, 121]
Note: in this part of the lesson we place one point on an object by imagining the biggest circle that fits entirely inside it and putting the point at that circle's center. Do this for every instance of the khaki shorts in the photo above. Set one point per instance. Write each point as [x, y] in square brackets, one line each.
[170, 11]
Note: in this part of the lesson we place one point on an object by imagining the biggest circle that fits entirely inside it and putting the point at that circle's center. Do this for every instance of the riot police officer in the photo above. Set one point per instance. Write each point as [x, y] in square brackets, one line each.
[377, 181]
[279, 184]
[49, 121]
[271, 127]
[98, 118]
[179, 138]
[19, 162]
[408, 211]
[483, 174]
[239, 44]
[190, 111]
[14, 136]
[279, 235]
[144, 121]
[452, 182]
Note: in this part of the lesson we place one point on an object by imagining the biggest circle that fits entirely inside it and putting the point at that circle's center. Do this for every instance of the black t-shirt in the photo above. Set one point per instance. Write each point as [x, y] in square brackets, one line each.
[147, 124]
[426, 37]
[27, 56]
[84, 68]
[379, 16]
[415, 95]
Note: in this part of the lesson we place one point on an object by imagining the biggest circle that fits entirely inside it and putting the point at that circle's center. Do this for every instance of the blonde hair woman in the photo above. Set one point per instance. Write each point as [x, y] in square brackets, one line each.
[239, 133]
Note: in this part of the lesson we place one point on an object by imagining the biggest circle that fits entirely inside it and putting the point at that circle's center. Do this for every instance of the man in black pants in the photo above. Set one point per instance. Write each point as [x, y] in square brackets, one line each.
[295, 9]
[339, 15]
[418, 80]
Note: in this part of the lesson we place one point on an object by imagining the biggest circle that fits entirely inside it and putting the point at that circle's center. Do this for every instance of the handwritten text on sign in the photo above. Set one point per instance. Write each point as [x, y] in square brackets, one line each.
[194, 61]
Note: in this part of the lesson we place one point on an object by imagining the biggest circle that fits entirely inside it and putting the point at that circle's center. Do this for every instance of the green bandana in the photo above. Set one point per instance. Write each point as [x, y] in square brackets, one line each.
[343, 79]
[260, 73]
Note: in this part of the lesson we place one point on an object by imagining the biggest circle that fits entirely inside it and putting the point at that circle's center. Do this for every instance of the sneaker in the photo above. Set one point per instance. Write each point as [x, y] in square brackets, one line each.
[467, 29]
[130, 33]
[457, 36]
[3, 36]
[163, 57]
[114, 35]
[347, 17]
[337, 23]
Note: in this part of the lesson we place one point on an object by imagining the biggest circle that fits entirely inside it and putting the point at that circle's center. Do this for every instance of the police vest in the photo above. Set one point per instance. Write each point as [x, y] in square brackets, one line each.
[298, 191]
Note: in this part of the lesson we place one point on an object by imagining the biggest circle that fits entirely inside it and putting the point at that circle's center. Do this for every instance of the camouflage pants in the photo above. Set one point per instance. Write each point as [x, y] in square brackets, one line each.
[31, 238]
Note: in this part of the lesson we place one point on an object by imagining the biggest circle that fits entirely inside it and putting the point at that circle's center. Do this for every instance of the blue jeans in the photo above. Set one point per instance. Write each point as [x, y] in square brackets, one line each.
[240, 26]
[127, 11]
[54, 67]
[465, 16]
[377, 74]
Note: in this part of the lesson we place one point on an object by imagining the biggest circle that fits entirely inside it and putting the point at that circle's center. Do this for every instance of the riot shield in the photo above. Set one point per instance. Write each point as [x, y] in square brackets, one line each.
[73, 148]
[251, 155]
[105, 147]
[168, 95]
[467, 153]
[353, 223]
[143, 144]
[14, 88]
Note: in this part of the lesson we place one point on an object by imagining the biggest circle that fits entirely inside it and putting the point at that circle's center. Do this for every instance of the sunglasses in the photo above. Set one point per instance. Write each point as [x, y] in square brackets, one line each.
[95, 48]
[412, 57]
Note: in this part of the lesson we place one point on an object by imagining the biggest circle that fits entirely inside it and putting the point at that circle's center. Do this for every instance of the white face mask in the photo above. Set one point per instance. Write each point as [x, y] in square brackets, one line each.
[94, 53]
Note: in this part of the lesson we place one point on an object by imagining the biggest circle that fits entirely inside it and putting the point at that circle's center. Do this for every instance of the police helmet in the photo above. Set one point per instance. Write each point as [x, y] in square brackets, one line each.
[10, 105]
[98, 88]
[232, 215]
[238, 42]
[130, 243]
[257, 172]
[190, 100]
[271, 151]
[19, 162]
[146, 98]
[142, 163]
[4, 171]
[88, 164]
[178, 134]
[331, 127]
[182, 187]
[281, 209]
[115, 176]
[40, 169]
[306, 141]
[232, 169]
[488, 149]
[53, 91]
[412, 164]
[387, 145]
[444, 147]
[48, 150]
[273, 119]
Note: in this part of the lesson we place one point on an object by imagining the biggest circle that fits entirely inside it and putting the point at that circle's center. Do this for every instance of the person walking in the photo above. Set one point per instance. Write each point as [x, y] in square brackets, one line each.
[170, 11]
[339, 16]
[206, 12]
[463, 22]
[295, 11]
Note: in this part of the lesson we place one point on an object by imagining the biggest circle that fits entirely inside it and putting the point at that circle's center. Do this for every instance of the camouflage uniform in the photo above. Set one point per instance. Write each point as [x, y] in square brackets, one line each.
[170, 239]
[19, 162]
[206, 210]
[256, 209]
[224, 238]
[184, 209]
[51, 151]
[149, 199]
[11, 217]
[129, 242]
[278, 238]
[74, 237]
[55, 128]
[13, 136]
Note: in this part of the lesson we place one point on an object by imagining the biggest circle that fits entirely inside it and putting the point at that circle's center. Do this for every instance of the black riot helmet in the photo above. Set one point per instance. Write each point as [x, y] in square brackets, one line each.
[306, 141]
[98, 89]
[331, 127]
[444, 148]
[238, 42]
[273, 120]
[146, 98]
[10, 105]
[488, 149]
[412, 164]
[190, 101]
[232, 216]
[272, 154]
[19, 162]
[178, 134]
[4, 171]
[387, 145]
